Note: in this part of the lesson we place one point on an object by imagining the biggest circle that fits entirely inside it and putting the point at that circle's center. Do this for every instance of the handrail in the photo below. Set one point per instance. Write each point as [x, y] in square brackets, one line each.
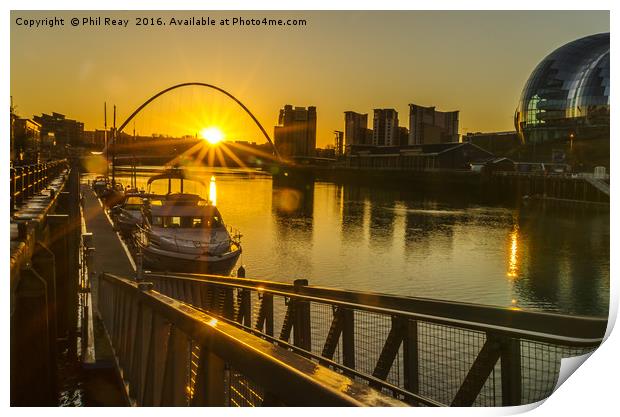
[448, 352]
[541, 326]
[284, 376]
[27, 180]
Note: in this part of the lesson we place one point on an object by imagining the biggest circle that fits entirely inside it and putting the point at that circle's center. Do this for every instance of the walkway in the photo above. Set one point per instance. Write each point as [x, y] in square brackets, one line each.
[101, 382]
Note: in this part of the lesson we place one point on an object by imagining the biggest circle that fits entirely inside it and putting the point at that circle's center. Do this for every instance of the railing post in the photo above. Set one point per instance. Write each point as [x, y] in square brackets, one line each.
[410, 357]
[348, 338]
[12, 185]
[510, 360]
[29, 181]
[301, 323]
[244, 313]
[19, 185]
[265, 313]
[37, 178]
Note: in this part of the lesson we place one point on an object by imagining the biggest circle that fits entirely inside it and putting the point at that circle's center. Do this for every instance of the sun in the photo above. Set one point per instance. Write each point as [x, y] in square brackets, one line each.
[213, 135]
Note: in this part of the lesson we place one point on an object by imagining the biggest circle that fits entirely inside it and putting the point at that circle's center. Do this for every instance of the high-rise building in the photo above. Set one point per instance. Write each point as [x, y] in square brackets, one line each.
[385, 127]
[66, 131]
[296, 133]
[427, 125]
[355, 128]
[339, 142]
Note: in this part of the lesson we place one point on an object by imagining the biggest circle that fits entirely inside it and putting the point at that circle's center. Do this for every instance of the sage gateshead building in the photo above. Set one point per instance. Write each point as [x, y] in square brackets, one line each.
[567, 95]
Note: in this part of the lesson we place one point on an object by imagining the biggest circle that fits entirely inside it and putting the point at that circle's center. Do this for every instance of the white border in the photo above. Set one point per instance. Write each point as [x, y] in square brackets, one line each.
[591, 391]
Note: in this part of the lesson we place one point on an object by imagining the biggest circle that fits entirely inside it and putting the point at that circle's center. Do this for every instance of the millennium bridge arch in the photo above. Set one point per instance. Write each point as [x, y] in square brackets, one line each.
[213, 87]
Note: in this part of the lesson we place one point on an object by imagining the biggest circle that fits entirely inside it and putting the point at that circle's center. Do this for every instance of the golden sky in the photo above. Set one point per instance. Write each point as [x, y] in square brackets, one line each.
[472, 61]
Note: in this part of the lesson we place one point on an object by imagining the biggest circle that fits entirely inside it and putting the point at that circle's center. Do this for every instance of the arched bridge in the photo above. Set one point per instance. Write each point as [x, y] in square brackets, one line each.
[209, 86]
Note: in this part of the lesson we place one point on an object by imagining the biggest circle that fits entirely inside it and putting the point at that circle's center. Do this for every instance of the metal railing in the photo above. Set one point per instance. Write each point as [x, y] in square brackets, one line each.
[44, 280]
[170, 354]
[421, 351]
[28, 180]
[551, 174]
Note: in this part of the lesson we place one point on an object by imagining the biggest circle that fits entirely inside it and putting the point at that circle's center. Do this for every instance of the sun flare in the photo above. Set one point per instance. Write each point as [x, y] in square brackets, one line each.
[213, 135]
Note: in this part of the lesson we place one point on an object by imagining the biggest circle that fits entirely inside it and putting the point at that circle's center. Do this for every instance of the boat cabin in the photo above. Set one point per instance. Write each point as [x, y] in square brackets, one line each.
[185, 217]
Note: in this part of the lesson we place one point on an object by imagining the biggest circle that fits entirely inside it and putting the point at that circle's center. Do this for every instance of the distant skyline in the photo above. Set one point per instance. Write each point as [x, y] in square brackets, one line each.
[473, 61]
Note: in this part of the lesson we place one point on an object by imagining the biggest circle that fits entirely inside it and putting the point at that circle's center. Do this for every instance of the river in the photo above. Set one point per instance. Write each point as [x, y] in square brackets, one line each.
[403, 242]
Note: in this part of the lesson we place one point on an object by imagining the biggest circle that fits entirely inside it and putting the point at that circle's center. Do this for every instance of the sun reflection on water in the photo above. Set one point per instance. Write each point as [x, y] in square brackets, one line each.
[213, 191]
[513, 267]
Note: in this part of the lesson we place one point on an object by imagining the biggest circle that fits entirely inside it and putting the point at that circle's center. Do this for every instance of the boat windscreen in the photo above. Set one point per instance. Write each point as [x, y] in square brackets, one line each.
[185, 222]
[137, 201]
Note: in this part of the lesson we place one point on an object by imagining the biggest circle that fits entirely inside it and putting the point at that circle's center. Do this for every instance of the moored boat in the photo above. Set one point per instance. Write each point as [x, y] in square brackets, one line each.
[128, 215]
[99, 185]
[183, 232]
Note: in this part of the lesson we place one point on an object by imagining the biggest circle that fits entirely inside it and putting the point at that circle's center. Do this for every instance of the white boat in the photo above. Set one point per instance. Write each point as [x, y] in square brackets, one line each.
[100, 184]
[128, 215]
[183, 232]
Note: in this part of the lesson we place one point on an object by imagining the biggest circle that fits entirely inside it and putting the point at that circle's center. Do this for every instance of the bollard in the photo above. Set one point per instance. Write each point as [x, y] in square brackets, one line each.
[241, 272]
[142, 285]
[22, 230]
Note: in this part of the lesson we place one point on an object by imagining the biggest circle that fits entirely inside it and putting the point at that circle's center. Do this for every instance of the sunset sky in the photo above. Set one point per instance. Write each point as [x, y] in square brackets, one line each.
[472, 61]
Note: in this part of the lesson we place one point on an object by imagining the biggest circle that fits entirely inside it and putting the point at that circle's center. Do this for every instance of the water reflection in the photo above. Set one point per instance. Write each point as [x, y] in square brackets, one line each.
[292, 208]
[567, 260]
[410, 243]
[212, 191]
[381, 222]
[292, 198]
[513, 266]
[352, 217]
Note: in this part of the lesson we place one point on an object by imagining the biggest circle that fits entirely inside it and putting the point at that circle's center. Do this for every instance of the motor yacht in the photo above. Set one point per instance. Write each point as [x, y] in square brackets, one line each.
[184, 232]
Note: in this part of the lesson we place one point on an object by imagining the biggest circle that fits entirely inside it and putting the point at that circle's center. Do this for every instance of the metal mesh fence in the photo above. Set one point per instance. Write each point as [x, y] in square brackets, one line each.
[445, 357]
[371, 331]
[321, 316]
[540, 368]
[241, 391]
[194, 362]
[445, 354]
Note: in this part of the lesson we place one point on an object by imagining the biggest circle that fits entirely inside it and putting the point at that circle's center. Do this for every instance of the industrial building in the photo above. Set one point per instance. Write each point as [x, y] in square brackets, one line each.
[429, 157]
[498, 143]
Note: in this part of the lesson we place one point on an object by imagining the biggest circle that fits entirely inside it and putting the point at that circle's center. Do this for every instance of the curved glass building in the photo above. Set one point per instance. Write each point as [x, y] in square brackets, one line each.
[567, 95]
